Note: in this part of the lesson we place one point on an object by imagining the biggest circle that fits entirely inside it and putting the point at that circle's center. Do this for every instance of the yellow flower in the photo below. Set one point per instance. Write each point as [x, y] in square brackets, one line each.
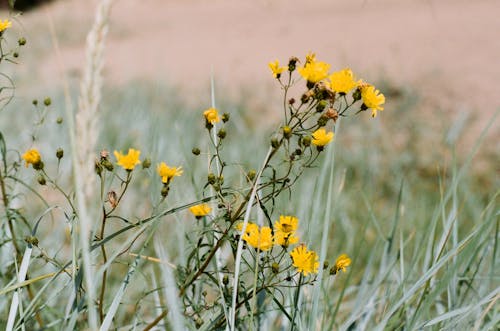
[342, 81]
[200, 210]
[314, 71]
[4, 25]
[284, 230]
[305, 261]
[343, 261]
[129, 161]
[276, 69]
[372, 98]
[167, 173]
[261, 239]
[310, 57]
[211, 115]
[321, 138]
[32, 157]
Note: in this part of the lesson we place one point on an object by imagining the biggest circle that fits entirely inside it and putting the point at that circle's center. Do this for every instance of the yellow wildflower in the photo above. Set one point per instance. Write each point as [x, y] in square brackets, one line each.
[32, 156]
[129, 161]
[372, 98]
[284, 230]
[321, 138]
[315, 71]
[211, 115]
[261, 239]
[200, 210]
[343, 261]
[4, 25]
[276, 69]
[305, 261]
[310, 57]
[167, 173]
[342, 81]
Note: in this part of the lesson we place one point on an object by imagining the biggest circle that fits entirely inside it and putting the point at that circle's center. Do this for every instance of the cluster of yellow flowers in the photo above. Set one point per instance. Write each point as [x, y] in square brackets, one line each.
[284, 234]
[341, 82]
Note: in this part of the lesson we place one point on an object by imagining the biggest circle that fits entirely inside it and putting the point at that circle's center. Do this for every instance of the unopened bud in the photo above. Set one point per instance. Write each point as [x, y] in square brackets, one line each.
[251, 175]
[287, 132]
[356, 95]
[221, 134]
[306, 141]
[332, 114]
[275, 267]
[164, 191]
[41, 180]
[15, 54]
[322, 120]
[196, 151]
[59, 120]
[146, 163]
[225, 280]
[22, 41]
[321, 105]
[38, 166]
[107, 164]
[225, 117]
[47, 101]
[59, 153]
[275, 143]
[211, 178]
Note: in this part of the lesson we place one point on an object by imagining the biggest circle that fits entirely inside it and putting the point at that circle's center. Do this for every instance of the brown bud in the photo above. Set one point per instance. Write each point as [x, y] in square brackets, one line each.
[112, 199]
[332, 114]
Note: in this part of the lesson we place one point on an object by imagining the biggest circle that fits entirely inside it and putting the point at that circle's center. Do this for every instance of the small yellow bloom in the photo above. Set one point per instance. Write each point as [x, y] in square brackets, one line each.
[321, 137]
[129, 161]
[276, 69]
[32, 157]
[372, 98]
[310, 57]
[343, 261]
[211, 115]
[200, 210]
[342, 81]
[261, 239]
[305, 261]
[314, 71]
[167, 173]
[4, 25]
[284, 230]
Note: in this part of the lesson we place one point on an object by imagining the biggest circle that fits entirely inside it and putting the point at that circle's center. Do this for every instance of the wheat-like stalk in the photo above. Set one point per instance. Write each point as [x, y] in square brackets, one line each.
[86, 134]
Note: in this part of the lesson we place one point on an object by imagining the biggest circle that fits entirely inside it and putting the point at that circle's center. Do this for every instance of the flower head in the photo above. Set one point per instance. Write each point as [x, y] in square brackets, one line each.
[276, 69]
[305, 261]
[284, 230]
[4, 25]
[343, 261]
[342, 81]
[211, 115]
[167, 173]
[310, 57]
[200, 210]
[129, 161]
[321, 137]
[372, 98]
[314, 71]
[260, 238]
[32, 156]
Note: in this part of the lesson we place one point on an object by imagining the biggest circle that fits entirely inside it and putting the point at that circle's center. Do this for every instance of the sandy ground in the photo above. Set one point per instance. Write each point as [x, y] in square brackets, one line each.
[447, 50]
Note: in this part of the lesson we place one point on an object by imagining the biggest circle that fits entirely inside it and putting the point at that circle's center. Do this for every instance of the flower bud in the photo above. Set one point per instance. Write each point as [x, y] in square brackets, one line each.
[59, 153]
[164, 191]
[15, 54]
[221, 134]
[275, 143]
[325, 265]
[104, 154]
[221, 179]
[298, 151]
[275, 267]
[251, 175]
[38, 166]
[34, 102]
[211, 178]
[98, 168]
[291, 101]
[321, 105]
[59, 120]
[47, 101]
[107, 164]
[22, 41]
[146, 163]
[306, 141]
[216, 187]
[41, 180]
[196, 151]
[287, 132]
[292, 63]
[31, 240]
[225, 280]
[225, 117]
[199, 322]
[322, 120]
[356, 95]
